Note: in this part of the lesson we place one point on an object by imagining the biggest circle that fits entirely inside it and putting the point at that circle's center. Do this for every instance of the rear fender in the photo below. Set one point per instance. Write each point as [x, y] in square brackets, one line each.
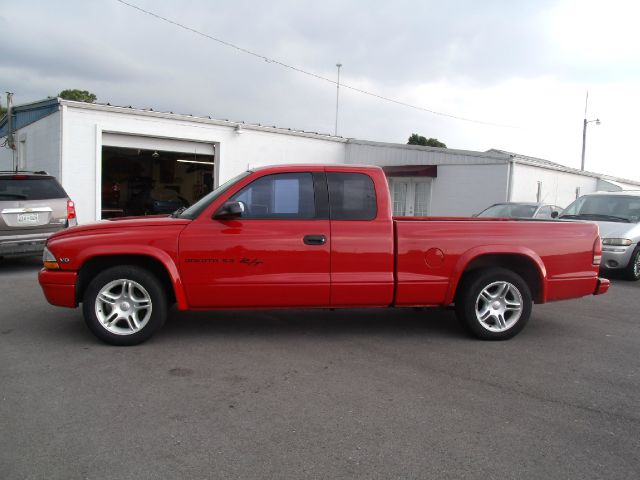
[466, 258]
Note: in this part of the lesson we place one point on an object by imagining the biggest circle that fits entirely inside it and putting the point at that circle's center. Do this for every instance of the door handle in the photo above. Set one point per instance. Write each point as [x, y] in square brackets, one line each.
[315, 239]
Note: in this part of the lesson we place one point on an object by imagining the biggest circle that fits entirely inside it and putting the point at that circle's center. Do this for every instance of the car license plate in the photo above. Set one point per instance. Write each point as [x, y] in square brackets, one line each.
[27, 218]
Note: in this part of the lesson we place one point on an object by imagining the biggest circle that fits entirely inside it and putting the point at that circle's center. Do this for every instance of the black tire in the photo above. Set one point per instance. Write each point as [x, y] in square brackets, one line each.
[143, 294]
[632, 270]
[470, 299]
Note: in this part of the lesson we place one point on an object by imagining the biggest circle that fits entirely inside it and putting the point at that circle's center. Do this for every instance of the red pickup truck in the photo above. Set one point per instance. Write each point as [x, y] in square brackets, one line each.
[315, 236]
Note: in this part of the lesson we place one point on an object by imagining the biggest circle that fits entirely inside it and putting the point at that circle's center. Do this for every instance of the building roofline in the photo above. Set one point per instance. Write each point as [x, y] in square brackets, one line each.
[25, 107]
[542, 163]
[197, 119]
[472, 153]
[493, 154]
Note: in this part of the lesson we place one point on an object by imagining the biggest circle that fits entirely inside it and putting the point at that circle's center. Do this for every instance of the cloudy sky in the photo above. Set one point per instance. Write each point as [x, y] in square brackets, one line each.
[526, 65]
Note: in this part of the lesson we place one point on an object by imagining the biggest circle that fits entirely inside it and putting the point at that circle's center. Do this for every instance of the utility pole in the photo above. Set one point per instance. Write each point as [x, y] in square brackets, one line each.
[10, 141]
[584, 129]
[339, 65]
[10, 134]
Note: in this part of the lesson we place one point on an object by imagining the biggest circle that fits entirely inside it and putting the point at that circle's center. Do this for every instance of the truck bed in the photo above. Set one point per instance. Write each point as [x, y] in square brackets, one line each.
[432, 252]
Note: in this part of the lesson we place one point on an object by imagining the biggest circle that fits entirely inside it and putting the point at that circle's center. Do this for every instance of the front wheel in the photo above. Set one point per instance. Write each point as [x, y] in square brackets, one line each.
[494, 304]
[632, 272]
[124, 305]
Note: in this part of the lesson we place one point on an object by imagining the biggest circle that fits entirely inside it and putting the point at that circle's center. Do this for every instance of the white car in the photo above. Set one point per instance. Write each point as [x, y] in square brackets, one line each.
[617, 214]
[521, 210]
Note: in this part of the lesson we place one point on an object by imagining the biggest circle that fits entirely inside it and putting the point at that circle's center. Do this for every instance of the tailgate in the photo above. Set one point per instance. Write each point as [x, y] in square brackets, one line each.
[25, 217]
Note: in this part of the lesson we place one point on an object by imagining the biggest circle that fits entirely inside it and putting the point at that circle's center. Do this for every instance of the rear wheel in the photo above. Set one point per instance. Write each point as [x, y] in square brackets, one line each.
[494, 304]
[632, 272]
[124, 305]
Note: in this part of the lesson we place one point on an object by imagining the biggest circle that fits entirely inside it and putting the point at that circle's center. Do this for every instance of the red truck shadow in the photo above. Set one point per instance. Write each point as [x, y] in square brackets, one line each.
[322, 323]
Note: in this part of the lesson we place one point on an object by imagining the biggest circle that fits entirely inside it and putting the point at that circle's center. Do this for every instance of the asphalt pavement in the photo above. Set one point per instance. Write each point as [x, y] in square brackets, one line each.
[375, 394]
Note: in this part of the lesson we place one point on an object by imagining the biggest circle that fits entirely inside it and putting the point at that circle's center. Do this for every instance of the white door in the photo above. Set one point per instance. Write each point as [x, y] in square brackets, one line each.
[410, 196]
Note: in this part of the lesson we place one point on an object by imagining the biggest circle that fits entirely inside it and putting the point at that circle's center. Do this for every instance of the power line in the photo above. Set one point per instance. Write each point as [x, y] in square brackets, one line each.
[306, 72]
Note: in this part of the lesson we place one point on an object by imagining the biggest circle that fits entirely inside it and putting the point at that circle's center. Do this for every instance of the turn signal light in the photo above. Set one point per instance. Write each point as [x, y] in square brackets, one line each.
[49, 260]
[597, 252]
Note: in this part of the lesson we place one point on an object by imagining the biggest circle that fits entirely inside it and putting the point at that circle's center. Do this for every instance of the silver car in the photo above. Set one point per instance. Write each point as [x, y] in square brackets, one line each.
[33, 205]
[521, 210]
[617, 214]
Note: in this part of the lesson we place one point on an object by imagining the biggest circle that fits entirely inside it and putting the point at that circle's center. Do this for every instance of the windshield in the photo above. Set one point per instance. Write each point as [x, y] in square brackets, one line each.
[509, 210]
[608, 208]
[196, 209]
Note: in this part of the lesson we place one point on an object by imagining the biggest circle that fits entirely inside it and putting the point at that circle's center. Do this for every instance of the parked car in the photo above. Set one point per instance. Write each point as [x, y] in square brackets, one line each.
[33, 205]
[164, 200]
[617, 214]
[521, 210]
[320, 237]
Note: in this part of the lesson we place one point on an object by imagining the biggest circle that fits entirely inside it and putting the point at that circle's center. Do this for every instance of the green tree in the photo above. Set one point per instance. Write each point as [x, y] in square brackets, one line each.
[416, 139]
[2, 111]
[78, 95]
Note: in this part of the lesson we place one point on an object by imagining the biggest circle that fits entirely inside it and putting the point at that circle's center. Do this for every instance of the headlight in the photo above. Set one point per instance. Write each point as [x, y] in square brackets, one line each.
[49, 260]
[618, 242]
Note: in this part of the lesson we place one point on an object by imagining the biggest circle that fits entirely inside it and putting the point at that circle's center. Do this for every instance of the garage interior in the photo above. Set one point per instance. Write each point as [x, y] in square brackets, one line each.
[137, 181]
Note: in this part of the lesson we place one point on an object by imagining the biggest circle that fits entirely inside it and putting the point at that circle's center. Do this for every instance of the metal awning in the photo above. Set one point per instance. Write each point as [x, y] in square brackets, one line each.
[411, 171]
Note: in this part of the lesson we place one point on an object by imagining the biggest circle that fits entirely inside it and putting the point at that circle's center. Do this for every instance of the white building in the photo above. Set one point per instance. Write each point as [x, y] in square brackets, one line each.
[110, 159]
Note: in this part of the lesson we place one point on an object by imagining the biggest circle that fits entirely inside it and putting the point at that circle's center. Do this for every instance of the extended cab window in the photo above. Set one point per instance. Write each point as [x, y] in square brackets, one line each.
[352, 196]
[279, 196]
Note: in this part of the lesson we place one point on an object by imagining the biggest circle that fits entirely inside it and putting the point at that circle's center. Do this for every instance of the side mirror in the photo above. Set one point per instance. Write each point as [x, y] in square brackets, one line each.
[555, 214]
[230, 210]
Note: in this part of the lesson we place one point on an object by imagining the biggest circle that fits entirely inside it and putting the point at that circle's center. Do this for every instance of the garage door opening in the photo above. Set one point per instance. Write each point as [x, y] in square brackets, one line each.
[151, 182]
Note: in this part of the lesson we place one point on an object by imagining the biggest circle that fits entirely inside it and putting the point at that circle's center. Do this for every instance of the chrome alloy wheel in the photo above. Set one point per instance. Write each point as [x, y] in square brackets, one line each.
[499, 306]
[123, 307]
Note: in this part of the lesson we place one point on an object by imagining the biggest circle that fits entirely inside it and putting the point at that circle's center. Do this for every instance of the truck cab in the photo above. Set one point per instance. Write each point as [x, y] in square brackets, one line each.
[304, 236]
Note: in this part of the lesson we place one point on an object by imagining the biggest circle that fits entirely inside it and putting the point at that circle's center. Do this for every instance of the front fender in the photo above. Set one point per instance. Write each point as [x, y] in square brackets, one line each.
[467, 257]
[158, 254]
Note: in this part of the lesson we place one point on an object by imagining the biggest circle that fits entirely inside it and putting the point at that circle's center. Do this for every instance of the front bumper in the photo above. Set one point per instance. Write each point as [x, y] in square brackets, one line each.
[616, 257]
[59, 287]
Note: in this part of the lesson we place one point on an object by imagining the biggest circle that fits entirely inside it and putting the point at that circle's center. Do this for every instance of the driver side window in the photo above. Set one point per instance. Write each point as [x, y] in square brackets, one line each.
[280, 196]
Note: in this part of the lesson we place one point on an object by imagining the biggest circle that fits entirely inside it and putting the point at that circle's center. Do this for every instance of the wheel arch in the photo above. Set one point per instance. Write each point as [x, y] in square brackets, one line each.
[629, 270]
[163, 268]
[524, 262]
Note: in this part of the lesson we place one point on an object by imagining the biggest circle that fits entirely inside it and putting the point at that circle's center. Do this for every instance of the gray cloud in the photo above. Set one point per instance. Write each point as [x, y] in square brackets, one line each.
[127, 57]
[390, 43]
